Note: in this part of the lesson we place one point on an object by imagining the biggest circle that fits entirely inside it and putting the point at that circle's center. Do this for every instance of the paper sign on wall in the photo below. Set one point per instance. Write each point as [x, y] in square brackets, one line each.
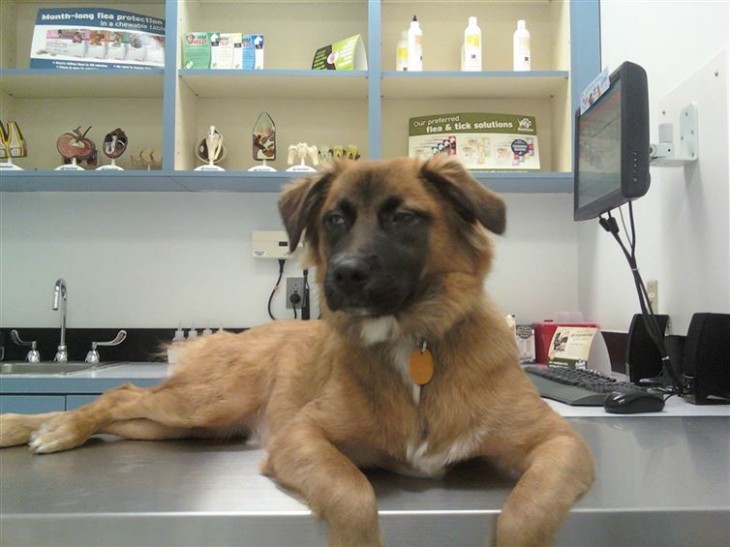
[478, 140]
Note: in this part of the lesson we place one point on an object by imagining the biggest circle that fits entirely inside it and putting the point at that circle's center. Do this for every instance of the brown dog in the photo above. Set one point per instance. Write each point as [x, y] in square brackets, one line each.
[412, 367]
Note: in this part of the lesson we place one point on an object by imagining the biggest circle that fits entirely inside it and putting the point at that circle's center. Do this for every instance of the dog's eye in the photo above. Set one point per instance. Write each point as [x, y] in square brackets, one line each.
[334, 219]
[404, 217]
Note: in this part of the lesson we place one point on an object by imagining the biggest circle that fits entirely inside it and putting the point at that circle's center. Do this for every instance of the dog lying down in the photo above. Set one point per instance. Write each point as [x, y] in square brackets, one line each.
[411, 368]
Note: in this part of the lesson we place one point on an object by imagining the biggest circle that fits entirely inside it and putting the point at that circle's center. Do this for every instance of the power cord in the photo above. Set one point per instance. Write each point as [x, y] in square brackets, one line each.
[295, 299]
[650, 321]
[305, 295]
[282, 261]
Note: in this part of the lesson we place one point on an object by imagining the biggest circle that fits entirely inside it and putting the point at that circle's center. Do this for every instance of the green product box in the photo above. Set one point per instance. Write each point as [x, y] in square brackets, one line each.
[196, 50]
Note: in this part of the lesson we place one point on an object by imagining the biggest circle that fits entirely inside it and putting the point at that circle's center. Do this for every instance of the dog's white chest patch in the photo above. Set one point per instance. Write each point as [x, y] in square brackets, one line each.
[380, 329]
[435, 464]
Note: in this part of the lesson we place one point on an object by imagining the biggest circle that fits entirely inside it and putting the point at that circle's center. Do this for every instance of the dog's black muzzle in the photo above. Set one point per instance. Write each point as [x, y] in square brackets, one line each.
[361, 284]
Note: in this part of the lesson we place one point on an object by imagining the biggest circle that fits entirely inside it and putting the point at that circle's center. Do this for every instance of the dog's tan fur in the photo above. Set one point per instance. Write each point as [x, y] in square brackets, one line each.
[331, 397]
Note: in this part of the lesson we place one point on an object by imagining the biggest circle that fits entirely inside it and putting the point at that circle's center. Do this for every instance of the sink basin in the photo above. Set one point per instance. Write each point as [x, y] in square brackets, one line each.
[49, 368]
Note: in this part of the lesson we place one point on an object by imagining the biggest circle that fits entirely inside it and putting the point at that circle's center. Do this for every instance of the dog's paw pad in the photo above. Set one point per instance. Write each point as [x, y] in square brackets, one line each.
[52, 436]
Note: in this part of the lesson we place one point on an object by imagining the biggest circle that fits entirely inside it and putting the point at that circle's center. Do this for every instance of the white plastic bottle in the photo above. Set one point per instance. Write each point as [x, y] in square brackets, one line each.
[415, 47]
[521, 47]
[173, 348]
[401, 52]
[472, 52]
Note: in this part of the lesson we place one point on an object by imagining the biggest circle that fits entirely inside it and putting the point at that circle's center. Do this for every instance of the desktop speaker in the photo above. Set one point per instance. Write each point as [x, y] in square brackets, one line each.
[642, 356]
[706, 362]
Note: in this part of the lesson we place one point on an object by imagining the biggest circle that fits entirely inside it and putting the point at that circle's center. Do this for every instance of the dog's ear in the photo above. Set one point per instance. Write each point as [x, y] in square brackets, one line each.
[299, 205]
[471, 200]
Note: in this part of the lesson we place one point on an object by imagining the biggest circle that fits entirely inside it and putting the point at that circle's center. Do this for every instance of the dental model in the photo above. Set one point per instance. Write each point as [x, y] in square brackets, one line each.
[211, 150]
[115, 143]
[302, 150]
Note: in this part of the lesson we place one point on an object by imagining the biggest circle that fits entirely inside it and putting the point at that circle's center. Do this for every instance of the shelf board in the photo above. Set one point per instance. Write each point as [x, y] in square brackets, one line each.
[236, 181]
[79, 84]
[290, 84]
[473, 85]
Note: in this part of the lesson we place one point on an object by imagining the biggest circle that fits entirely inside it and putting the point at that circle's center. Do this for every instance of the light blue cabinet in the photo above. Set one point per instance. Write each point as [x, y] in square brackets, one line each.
[169, 110]
[32, 404]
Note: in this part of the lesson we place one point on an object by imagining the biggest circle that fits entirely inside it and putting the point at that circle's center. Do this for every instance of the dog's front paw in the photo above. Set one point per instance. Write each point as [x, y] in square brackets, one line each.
[55, 435]
[14, 430]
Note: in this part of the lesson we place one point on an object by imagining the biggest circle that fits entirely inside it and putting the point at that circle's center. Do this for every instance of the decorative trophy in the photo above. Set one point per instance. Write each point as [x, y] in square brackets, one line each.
[301, 151]
[76, 147]
[264, 142]
[115, 143]
[211, 150]
[12, 145]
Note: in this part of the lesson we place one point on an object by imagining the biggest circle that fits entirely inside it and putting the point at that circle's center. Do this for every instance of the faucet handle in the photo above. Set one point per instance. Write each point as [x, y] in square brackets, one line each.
[93, 356]
[33, 355]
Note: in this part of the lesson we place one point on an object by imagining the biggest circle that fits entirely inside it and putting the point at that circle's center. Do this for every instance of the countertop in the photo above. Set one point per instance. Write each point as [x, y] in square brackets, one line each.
[661, 481]
[93, 380]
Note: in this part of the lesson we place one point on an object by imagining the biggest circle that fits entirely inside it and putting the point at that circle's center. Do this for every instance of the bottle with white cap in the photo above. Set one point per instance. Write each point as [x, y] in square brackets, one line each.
[415, 46]
[521, 47]
[401, 52]
[472, 52]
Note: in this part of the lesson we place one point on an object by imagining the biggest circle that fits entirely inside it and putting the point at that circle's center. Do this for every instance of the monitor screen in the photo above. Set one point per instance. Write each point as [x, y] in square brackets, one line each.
[612, 145]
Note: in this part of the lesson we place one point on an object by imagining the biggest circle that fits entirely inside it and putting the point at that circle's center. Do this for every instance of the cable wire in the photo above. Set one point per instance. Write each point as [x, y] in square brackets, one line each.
[282, 261]
[652, 325]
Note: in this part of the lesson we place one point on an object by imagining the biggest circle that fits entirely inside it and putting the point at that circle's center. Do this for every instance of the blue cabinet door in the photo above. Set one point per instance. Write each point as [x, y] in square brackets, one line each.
[32, 404]
[75, 401]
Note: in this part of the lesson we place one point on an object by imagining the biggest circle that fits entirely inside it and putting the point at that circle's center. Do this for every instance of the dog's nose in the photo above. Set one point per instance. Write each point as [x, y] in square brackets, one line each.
[351, 274]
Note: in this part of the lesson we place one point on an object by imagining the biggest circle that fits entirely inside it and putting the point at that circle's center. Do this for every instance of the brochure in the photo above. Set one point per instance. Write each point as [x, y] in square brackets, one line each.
[96, 38]
[571, 346]
[347, 54]
[480, 140]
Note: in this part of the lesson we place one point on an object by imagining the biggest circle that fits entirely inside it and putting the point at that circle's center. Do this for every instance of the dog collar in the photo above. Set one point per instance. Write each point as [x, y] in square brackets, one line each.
[420, 365]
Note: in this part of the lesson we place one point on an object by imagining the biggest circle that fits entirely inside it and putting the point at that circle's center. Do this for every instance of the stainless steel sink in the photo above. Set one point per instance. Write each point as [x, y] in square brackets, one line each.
[49, 368]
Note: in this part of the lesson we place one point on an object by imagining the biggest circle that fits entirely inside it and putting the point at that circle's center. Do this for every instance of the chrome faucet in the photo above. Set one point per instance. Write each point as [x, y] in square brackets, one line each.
[60, 293]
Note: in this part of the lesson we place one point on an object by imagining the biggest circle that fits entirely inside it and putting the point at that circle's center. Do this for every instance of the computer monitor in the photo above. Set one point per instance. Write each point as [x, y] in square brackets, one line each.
[611, 160]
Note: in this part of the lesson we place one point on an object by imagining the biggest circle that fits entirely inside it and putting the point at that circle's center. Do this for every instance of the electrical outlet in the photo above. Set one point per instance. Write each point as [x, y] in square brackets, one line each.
[294, 285]
[652, 289]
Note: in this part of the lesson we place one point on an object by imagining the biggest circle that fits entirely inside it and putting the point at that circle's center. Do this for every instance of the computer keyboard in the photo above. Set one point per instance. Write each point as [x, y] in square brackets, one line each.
[576, 387]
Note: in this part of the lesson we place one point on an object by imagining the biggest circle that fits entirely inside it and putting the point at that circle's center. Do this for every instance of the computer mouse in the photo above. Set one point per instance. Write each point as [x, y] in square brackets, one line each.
[633, 402]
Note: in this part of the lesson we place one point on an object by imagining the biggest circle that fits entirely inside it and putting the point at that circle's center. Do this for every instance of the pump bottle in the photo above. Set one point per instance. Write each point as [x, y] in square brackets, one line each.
[472, 50]
[415, 46]
[521, 47]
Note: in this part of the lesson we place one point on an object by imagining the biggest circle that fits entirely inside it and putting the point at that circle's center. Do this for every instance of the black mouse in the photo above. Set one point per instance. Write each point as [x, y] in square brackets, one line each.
[633, 402]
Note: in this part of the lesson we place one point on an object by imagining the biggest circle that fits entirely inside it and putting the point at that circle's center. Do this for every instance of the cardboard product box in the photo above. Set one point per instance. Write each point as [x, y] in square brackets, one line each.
[482, 141]
[196, 50]
[225, 50]
[252, 52]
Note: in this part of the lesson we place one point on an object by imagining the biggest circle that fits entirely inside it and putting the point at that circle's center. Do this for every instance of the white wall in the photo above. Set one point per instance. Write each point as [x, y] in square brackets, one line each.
[164, 259]
[683, 224]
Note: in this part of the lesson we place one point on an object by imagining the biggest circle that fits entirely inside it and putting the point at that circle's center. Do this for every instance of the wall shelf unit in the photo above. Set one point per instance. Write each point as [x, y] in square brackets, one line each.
[170, 109]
